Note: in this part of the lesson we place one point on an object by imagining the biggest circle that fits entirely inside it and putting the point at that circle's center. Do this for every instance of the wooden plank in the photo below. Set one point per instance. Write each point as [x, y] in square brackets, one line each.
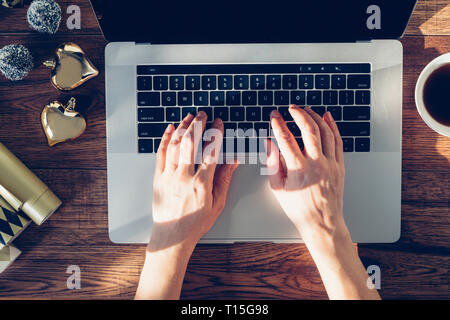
[22, 102]
[77, 235]
[430, 17]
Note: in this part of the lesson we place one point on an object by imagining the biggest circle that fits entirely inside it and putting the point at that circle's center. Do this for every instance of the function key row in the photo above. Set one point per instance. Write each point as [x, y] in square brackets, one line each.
[254, 82]
[252, 98]
[253, 68]
[360, 113]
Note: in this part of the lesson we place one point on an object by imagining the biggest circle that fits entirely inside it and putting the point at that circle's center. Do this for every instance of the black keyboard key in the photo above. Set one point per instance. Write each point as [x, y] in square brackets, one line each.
[151, 114]
[338, 81]
[314, 98]
[347, 144]
[188, 110]
[322, 81]
[336, 113]
[273, 82]
[176, 83]
[152, 130]
[265, 98]
[241, 82]
[319, 110]
[257, 82]
[225, 82]
[209, 82]
[245, 129]
[185, 98]
[298, 97]
[208, 111]
[300, 143]
[282, 98]
[233, 98]
[346, 97]
[356, 113]
[253, 113]
[362, 144]
[230, 129]
[144, 83]
[217, 98]
[160, 83]
[237, 113]
[169, 99]
[330, 97]
[289, 82]
[249, 98]
[349, 129]
[294, 129]
[221, 112]
[262, 129]
[145, 145]
[285, 113]
[201, 98]
[193, 83]
[358, 81]
[266, 111]
[306, 82]
[157, 143]
[149, 99]
[173, 114]
[362, 97]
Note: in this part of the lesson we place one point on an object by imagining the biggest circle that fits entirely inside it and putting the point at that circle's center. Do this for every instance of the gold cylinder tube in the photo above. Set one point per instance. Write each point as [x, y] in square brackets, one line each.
[23, 190]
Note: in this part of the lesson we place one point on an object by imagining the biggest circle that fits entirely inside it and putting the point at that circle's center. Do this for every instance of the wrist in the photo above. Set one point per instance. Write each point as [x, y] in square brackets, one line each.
[327, 240]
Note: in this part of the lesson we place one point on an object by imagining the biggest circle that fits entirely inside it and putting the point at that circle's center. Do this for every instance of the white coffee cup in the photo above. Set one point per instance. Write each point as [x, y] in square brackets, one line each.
[426, 72]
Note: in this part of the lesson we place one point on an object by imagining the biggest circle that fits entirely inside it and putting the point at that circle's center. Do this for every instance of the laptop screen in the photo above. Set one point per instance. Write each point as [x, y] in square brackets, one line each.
[252, 21]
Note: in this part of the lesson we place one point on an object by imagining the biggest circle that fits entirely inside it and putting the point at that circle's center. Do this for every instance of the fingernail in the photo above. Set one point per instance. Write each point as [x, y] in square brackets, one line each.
[201, 114]
[169, 128]
[275, 114]
[308, 108]
[330, 116]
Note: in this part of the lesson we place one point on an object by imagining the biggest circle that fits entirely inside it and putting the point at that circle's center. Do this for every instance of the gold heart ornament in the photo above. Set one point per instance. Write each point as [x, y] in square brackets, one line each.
[70, 67]
[62, 123]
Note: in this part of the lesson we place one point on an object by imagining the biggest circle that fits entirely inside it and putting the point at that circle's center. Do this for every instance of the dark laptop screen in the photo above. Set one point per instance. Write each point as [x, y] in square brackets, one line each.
[252, 21]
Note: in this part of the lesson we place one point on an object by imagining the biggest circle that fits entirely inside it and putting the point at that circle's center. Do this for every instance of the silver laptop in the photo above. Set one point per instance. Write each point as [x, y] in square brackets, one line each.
[238, 61]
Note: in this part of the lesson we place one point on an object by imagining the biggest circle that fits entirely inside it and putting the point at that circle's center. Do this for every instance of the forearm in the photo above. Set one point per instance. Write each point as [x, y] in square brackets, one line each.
[339, 265]
[163, 273]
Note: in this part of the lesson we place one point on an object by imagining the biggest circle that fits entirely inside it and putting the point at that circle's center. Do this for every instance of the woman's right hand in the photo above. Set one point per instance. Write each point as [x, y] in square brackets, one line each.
[308, 184]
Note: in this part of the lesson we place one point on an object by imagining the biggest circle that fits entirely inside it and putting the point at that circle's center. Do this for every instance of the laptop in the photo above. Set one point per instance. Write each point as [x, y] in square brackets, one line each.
[238, 60]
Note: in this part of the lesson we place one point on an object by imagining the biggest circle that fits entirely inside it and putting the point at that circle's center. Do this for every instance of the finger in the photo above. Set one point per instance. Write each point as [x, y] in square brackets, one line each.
[339, 149]
[222, 182]
[211, 152]
[326, 135]
[173, 149]
[310, 131]
[190, 142]
[162, 149]
[275, 169]
[286, 142]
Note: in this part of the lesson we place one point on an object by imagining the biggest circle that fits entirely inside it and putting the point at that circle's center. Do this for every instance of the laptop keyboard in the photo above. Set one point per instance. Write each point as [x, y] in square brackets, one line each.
[244, 95]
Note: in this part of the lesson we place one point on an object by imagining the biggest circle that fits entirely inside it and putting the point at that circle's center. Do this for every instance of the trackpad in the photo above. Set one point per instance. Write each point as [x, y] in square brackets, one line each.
[251, 212]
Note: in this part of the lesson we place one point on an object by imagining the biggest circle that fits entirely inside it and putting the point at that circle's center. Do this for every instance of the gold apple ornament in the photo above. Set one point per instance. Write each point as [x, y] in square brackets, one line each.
[62, 123]
[70, 67]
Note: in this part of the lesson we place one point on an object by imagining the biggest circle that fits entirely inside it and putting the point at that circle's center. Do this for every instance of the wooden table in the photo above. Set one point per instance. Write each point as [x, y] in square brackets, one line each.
[417, 266]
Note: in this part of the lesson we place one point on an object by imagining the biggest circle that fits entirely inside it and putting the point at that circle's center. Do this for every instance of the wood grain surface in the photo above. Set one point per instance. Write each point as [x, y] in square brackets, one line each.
[417, 266]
